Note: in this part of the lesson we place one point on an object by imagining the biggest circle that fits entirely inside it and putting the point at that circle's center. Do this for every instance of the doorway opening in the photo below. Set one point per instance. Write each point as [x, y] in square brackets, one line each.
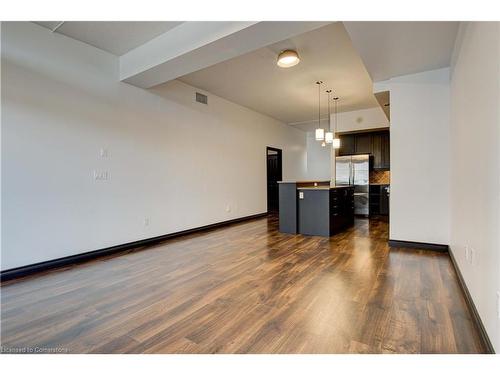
[274, 174]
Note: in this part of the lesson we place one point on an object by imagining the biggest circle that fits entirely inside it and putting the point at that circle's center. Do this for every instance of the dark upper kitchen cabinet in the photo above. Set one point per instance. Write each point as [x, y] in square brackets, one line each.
[374, 143]
[386, 151]
[347, 144]
[363, 143]
[377, 150]
[381, 150]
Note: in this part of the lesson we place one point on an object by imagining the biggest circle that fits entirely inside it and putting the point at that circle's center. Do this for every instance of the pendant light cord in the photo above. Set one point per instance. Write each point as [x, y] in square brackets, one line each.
[335, 117]
[336, 121]
[319, 102]
[329, 111]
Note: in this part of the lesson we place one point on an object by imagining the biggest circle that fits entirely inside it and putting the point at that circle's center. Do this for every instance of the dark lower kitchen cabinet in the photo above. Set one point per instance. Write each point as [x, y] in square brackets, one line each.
[379, 199]
[374, 197]
[384, 199]
[288, 207]
[325, 211]
[376, 144]
[341, 209]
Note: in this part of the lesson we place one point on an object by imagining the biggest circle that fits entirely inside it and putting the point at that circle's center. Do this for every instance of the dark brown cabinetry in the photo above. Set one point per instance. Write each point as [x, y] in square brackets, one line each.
[341, 209]
[347, 145]
[381, 150]
[384, 199]
[379, 199]
[374, 143]
[324, 211]
[363, 143]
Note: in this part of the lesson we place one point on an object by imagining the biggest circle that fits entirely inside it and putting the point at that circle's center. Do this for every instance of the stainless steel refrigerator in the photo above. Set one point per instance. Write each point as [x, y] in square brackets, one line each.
[355, 170]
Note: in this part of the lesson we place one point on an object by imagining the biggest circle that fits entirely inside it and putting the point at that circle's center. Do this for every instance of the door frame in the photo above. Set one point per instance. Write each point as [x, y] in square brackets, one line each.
[280, 163]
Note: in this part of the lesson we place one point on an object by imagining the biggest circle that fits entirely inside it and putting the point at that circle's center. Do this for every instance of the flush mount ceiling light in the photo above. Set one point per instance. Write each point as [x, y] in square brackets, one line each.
[288, 58]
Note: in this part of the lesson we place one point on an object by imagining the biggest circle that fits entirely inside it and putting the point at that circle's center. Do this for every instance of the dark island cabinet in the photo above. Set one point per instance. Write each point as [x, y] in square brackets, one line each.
[325, 211]
[342, 209]
[374, 143]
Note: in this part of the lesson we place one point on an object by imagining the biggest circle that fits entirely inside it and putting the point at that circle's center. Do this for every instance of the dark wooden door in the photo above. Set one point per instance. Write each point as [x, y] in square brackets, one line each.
[274, 174]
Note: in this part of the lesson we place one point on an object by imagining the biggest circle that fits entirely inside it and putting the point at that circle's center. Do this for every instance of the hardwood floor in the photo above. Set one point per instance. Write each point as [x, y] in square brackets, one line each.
[247, 288]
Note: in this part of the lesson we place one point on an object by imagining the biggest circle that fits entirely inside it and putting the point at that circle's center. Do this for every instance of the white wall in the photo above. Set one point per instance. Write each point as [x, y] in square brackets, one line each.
[419, 201]
[318, 159]
[176, 162]
[475, 166]
[363, 119]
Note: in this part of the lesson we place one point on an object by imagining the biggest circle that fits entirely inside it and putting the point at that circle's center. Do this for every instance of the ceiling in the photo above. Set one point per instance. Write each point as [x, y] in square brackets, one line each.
[115, 37]
[291, 95]
[391, 49]
[348, 57]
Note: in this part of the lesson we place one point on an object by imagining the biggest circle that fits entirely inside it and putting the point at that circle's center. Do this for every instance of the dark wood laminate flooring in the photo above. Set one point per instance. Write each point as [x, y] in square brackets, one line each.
[247, 288]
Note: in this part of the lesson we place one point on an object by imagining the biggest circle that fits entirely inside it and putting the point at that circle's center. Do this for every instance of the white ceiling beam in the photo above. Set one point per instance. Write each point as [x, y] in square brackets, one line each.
[192, 46]
[381, 86]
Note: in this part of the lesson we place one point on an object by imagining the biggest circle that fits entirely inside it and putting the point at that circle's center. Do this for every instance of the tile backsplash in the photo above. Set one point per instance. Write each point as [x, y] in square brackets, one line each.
[380, 177]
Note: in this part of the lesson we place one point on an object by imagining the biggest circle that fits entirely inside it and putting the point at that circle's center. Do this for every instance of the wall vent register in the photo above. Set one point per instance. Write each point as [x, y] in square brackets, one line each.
[200, 98]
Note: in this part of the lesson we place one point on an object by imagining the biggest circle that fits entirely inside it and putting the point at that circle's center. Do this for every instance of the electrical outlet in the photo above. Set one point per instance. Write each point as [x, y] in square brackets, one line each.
[146, 221]
[103, 153]
[228, 208]
[470, 254]
[476, 255]
[101, 175]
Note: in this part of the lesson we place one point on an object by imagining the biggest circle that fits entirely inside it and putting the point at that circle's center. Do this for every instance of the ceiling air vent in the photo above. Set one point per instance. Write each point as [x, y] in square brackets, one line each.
[200, 98]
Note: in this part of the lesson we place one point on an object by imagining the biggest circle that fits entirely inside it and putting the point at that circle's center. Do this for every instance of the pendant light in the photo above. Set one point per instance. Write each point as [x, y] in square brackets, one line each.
[336, 143]
[329, 133]
[320, 132]
[336, 140]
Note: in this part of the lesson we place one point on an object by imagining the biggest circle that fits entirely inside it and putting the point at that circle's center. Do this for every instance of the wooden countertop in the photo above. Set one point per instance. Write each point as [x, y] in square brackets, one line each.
[324, 187]
[303, 182]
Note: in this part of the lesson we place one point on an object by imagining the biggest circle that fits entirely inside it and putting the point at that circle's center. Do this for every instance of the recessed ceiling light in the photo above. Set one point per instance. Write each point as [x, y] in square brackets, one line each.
[288, 58]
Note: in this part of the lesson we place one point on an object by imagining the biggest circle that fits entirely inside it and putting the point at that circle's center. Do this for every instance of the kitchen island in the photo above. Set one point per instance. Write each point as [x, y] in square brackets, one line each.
[315, 208]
